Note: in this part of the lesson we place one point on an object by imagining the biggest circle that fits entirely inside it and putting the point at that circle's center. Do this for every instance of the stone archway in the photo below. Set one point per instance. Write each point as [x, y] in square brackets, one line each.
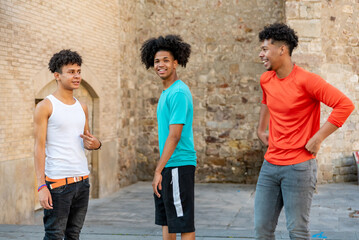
[84, 94]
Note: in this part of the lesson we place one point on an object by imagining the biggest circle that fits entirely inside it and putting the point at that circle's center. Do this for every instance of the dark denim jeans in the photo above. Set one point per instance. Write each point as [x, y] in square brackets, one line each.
[290, 186]
[69, 210]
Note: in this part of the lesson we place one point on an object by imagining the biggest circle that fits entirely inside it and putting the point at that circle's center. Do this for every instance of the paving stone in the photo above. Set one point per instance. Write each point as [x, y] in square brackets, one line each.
[223, 211]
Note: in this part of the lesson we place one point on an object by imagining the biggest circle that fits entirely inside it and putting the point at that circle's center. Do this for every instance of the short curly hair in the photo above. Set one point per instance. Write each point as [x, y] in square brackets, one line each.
[179, 49]
[62, 58]
[280, 32]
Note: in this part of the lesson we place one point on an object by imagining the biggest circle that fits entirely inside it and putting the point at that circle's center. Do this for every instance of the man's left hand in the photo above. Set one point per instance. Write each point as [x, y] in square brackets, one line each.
[90, 141]
[313, 145]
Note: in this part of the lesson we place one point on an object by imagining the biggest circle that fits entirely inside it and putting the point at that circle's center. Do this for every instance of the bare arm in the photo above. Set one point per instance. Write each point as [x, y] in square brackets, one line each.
[263, 124]
[90, 141]
[313, 145]
[42, 113]
[171, 143]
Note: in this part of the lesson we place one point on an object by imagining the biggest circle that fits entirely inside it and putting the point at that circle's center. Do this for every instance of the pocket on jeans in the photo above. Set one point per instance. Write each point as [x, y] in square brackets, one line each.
[87, 182]
[303, 166]
[59, 189]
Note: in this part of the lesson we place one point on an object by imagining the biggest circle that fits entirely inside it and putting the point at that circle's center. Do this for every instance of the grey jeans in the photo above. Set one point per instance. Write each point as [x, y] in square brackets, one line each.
[290, 186]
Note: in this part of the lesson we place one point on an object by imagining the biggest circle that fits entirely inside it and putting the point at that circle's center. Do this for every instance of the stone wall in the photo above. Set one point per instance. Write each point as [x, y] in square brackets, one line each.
[128, 64]
[223, 75]
[329, 46]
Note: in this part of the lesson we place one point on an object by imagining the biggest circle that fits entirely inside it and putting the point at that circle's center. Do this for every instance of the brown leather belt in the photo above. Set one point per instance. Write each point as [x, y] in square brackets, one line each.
[63, 181]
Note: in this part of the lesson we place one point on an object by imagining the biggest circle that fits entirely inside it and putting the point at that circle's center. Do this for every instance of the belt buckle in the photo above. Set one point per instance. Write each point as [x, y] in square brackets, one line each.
[77, 179]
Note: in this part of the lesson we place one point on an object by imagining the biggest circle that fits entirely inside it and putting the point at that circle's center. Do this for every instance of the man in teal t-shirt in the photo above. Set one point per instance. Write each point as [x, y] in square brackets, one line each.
[176, 107]
[173, 182]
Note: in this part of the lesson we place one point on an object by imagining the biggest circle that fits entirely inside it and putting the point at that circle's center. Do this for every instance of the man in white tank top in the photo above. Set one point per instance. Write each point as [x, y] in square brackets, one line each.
[61, 134]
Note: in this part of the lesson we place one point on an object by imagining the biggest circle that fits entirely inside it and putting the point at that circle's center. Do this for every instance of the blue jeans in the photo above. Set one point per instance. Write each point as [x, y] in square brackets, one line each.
[290, 186]
[69, 210]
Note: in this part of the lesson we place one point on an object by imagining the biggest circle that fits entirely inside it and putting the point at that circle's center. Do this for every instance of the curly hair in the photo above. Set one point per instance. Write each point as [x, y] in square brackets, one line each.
[280, 32]
[63, 58]
[179, 49]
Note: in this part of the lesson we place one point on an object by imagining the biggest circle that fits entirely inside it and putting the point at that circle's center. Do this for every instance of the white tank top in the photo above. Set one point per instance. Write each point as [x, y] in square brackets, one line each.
[65, 154]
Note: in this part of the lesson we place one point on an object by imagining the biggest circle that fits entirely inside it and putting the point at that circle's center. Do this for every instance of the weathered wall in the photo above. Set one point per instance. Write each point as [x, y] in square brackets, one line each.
[223, 75]
[329, 46]
[30, 33]
[128, 90]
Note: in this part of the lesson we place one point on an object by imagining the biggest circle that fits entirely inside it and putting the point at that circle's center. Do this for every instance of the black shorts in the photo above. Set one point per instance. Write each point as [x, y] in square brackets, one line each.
[175, 207]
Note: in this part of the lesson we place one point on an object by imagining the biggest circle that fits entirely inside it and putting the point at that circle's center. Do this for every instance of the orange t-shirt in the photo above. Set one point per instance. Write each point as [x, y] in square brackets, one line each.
[294, 107]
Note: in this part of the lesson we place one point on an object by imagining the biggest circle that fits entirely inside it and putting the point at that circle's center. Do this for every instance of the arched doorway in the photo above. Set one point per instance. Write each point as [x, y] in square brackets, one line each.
[85, 94]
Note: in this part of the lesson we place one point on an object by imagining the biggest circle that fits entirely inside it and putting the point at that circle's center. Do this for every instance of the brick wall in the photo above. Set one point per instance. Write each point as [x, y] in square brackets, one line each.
[31, 32]
[223, 75]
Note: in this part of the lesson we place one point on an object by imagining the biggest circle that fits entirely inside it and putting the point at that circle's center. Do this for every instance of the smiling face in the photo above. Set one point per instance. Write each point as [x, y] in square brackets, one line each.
[165, 65]
[270, 54]
[70, 78]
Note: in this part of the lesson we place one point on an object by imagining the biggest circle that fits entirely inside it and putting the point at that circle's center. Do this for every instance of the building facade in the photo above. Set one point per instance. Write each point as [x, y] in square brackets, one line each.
[223, 74]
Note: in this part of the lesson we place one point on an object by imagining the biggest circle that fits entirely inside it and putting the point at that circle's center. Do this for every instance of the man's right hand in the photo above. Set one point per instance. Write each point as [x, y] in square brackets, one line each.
[156, 184]
[45, 198]
[262, 132]
[263, 136]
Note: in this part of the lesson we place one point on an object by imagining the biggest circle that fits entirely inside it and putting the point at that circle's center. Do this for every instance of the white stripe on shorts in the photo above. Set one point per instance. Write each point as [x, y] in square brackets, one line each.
[176, 192]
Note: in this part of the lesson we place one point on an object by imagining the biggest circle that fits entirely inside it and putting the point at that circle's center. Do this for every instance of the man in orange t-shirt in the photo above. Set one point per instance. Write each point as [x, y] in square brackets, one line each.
[291, 107]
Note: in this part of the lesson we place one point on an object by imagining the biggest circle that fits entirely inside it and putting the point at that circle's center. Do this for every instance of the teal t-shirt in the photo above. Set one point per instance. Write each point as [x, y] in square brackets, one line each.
[175, 106]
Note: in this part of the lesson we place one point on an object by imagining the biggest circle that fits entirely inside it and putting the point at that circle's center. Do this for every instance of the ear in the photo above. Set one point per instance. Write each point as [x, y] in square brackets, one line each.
[282, 50]
[175, 64]
[57, 76]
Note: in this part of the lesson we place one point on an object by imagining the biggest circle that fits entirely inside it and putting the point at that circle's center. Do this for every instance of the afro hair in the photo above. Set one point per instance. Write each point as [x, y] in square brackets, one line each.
[62, 58]
[172, 43]
[282, 33]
